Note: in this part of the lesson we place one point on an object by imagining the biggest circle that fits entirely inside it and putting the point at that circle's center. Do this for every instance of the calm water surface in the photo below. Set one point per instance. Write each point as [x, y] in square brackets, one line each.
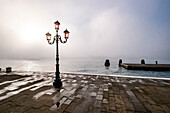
[90, 66]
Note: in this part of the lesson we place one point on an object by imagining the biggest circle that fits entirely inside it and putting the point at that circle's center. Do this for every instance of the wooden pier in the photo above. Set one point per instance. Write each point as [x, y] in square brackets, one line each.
[148, 67]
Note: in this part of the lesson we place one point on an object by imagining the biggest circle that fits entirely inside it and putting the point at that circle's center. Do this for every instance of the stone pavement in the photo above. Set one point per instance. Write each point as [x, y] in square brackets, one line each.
[33, 93]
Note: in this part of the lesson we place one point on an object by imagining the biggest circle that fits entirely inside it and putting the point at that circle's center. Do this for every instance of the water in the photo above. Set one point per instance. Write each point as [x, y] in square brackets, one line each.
[90, 66]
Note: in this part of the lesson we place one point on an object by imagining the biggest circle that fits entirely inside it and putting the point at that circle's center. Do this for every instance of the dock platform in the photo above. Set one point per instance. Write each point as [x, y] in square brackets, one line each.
[149, 67]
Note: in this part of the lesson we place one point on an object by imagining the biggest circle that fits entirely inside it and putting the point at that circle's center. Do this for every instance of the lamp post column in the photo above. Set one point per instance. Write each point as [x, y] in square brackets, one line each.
[57, 82]
[57, 57]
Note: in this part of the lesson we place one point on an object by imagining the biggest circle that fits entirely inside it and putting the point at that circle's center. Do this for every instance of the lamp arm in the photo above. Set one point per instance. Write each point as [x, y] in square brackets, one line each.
[52, 41]
[62, 40]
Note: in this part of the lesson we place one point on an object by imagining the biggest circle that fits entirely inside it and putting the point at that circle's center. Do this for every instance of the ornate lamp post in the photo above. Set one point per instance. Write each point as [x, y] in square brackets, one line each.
[57, 82]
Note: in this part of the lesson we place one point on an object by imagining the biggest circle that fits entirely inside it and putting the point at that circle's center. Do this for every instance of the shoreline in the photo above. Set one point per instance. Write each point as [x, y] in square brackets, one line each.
[77, 73]
[123, 76]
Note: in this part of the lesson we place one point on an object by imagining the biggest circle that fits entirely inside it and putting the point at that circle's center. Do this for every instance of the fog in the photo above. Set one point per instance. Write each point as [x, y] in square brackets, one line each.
[98, 28]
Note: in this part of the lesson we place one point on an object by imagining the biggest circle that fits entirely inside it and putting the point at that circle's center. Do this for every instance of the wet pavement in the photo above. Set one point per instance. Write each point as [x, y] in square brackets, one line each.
[32, 92]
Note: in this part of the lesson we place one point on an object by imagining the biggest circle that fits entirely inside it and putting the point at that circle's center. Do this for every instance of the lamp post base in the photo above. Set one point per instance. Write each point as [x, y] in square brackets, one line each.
[57, 83]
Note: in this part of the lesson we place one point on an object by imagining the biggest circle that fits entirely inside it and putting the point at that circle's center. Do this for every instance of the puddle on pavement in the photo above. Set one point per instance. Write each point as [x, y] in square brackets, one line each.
[15, 85]
[9, 94]
[49, 91]
[13, 88]
[48, 83]
[7, 82]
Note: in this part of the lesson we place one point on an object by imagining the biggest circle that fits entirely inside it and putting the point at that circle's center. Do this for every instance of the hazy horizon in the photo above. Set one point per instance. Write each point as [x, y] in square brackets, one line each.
[98, 29]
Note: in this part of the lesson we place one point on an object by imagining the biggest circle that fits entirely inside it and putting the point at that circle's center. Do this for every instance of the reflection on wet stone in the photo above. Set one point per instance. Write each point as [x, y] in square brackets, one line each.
[94, 94]
[58, 104]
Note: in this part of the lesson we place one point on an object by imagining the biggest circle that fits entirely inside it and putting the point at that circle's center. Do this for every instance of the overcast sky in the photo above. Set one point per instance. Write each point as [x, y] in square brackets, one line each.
[98, 28]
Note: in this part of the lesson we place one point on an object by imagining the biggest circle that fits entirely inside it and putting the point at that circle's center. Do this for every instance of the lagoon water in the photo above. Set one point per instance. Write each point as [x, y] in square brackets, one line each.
[89, 66]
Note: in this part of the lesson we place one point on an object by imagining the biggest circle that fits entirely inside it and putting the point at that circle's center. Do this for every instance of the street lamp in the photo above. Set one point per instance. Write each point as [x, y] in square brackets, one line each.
[57, 82]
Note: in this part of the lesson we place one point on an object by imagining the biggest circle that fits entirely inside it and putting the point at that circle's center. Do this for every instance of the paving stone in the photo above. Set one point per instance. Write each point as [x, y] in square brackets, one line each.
[38, 105]
[96, 110]
[151, 101]
[110, 91]
[92, 85]
[5, 106]
[120, 108]
[158, 112]
[145, 96]
[72, 91]
[65, 112]
[130, 111]
[105, 101]
[63, 100]
[97, 103]
[82, 85]
[118, 99]
[77, 100]
[105, 95]
[156, 108]
[148, 105]
[68, 88]
[85, 82]
[132, 96]
[100, 89]
[79, 96]
[140, 91]
[125, 86]
[67, 94]
[139, 107]
[105, 108]
[112, 106]
[99, 97]
[109, 84]
[100, 93]
[74, 81]
[129, 106]
[165, 108]
[112, 80]
[105, 86]
[68, 102]
[71, 107]
[31, 110]
[74, 85]
[111, 99]
[71, 97]
[116, 92]
[17, 109]
[60, 110]
[106, 89]
[42, 109]
[139, 96]
[85, 88]
[93, 94]
[111, 95]
[123, 93]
